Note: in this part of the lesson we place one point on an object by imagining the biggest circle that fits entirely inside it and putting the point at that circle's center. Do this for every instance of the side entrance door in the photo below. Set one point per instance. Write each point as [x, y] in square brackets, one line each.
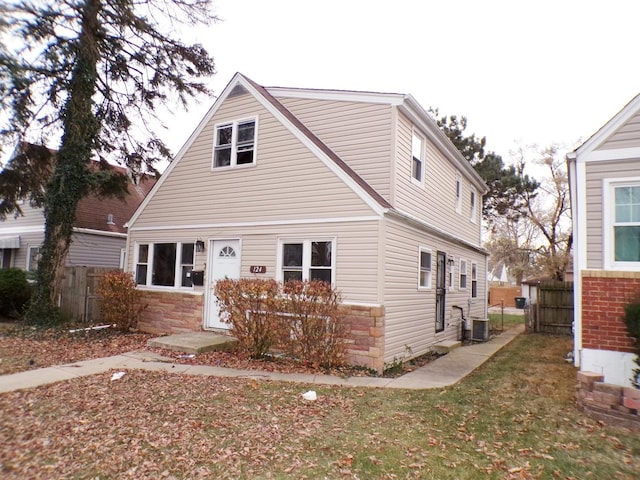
[224, 262]
[441, 282]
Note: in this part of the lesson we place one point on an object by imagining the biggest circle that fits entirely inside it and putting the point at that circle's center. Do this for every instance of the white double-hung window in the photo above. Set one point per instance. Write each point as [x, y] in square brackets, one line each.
[622, 223]
[424, 268]
[306, 260]
[234, 144]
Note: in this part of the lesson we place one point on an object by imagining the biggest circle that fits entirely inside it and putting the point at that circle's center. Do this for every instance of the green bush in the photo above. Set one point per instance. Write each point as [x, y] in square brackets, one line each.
[15, 292]
[632, 321]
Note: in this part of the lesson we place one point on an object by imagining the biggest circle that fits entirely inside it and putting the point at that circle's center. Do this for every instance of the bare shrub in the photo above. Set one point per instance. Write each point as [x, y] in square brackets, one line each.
[121, 301]
[251, 306]
[317, 331]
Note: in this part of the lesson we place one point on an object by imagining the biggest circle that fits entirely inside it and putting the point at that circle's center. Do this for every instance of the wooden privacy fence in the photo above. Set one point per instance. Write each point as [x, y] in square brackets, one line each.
[78, 297]
[553, 310]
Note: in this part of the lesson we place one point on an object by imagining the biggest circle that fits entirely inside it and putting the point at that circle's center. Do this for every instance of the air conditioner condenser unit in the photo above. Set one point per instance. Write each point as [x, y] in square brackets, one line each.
[480, 329]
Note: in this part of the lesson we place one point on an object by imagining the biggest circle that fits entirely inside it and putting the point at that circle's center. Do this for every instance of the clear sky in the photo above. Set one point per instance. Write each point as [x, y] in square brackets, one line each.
[521, 71]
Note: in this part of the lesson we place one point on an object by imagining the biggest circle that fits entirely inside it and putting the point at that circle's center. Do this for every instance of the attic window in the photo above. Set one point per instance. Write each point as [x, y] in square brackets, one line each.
[234, 144]
[110, 219]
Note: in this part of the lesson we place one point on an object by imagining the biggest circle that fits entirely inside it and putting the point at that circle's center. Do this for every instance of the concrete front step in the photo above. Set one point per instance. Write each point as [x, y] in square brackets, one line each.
[194, 342]
[446, 346]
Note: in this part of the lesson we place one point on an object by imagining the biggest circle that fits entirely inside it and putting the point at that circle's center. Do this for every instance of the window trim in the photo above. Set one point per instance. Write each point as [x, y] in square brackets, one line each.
[474, 205]
[306, 255]
[6, 257]
[30, 249]
[463, 273]
[429, 284]
[608, 217]
[234, 144]
[423, 153]
[458, 193]
[177, 271]
[474, 280]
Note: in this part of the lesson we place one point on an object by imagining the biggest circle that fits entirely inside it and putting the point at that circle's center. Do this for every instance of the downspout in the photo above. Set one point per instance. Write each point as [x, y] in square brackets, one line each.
[572, 170]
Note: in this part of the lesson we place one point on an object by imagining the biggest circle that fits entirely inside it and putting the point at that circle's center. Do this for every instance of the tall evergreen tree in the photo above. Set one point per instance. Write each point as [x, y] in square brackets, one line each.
[509, 188]
[90, 73]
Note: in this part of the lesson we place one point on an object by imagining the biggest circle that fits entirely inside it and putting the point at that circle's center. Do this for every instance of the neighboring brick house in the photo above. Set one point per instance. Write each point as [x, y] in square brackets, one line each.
[359, 189]
[99, 233]
[605, 200]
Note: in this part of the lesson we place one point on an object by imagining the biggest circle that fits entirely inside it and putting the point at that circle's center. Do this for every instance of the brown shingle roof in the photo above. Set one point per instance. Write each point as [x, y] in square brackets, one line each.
[93, 211]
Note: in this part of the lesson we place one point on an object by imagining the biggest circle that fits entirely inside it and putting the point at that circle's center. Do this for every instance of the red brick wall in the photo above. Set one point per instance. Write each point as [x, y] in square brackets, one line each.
[171, 312]
[604, 294]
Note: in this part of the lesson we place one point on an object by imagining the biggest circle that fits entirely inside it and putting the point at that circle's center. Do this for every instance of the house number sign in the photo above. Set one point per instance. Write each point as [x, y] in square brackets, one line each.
[258, 269]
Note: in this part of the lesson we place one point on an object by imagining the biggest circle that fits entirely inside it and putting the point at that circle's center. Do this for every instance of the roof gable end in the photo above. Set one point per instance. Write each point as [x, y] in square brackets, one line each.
[240, 84]
[589, 150]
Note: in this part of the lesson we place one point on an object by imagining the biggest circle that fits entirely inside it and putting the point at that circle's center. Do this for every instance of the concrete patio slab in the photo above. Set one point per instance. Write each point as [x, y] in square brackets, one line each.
[194, 342]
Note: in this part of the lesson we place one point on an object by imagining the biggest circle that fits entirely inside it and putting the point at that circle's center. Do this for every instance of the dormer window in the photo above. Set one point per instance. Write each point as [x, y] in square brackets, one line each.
[234, 144]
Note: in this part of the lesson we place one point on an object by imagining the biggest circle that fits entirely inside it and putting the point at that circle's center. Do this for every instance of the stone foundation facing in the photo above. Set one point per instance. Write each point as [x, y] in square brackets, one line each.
[178, 312]
[169, 312]
[613, 404]
[366, 336]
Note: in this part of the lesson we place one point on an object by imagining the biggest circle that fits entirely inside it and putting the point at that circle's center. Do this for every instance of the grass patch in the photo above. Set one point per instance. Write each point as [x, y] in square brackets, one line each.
[513, 418]
[499, 321]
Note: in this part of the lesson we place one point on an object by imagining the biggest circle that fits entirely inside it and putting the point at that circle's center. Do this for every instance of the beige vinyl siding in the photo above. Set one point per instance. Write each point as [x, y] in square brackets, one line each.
[410, 312]
[288, 182]
[595, 173]
[435, 202]
[359, 133]
[626, 136]
[356, 250]
[33, 217]
[95, 250]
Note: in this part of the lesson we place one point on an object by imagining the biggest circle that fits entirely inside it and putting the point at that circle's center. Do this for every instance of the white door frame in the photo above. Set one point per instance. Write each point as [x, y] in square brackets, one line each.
[209, 311]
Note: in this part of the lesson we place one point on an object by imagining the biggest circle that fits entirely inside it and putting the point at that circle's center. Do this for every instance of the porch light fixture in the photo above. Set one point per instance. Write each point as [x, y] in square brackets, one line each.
[451, 261]
[199, 246]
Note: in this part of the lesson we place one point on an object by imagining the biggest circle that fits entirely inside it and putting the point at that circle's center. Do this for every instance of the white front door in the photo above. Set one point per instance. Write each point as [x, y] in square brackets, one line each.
[224, 262]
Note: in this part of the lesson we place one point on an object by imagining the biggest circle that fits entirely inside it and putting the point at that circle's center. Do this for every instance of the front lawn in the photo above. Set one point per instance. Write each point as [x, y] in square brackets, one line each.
[513, 418]
[25, 348]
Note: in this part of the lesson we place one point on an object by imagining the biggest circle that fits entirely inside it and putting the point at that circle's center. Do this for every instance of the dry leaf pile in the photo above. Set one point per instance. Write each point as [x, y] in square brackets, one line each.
[28, 348]
[150, 425]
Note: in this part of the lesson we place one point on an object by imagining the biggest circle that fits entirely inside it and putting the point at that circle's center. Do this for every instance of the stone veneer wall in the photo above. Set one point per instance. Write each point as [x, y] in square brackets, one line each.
[612, 404]
[366, 336]
[171, 312]
[177, 312]
[604, 294]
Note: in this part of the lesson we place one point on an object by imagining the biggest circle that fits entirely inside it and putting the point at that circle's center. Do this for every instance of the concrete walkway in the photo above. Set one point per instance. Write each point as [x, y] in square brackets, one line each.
[442, 372]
